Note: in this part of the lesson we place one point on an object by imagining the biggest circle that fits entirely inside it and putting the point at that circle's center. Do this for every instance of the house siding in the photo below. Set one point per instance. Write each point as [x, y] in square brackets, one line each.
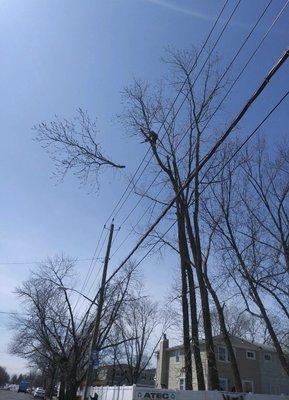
[268, 377]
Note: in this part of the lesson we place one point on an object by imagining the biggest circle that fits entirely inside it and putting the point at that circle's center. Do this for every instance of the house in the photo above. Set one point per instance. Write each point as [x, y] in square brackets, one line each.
[259, 367]
[111, 375]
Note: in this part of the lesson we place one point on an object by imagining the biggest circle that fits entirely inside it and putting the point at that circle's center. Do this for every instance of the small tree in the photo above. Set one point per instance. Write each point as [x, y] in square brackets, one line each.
[137, 328]
[4, 376]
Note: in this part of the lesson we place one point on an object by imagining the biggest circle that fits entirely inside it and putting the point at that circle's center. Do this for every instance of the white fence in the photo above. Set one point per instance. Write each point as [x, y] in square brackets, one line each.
[146, 393]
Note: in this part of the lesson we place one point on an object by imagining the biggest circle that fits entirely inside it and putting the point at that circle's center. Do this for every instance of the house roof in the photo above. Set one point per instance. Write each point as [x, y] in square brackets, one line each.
[236, 341]
[119, 366]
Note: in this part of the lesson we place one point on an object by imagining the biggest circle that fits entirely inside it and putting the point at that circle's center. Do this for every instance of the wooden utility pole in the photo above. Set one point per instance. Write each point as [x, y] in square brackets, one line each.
[93, 357]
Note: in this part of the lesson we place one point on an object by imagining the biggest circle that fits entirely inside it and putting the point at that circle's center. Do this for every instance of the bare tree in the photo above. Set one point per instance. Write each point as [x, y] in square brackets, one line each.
[51, 333]
[177, 152]
[240, 323]
[4, 376]
[244, 227]
[138, 328]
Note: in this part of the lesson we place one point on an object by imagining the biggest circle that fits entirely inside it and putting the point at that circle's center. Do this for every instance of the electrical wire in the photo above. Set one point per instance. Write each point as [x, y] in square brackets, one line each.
[113, 212]
[214, 177]
[222, 101]
[185, 97]
[39, 262]
[208, 155]
[91, 269]
[123, 199]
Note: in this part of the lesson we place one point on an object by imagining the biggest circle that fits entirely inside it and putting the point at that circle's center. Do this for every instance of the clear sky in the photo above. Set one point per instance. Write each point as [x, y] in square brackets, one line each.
[57, 56]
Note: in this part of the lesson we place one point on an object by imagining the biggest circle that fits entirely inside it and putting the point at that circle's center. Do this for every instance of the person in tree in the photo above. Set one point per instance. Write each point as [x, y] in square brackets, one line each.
[150, 136]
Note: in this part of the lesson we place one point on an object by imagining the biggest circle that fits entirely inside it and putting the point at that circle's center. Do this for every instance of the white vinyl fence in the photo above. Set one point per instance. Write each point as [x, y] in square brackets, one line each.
[146, 393]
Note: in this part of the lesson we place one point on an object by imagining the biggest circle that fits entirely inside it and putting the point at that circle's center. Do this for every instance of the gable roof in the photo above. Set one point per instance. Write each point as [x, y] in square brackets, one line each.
[236, 342]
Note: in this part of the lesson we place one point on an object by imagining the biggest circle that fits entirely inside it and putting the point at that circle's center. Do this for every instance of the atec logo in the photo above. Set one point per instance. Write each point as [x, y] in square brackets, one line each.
[156, 395]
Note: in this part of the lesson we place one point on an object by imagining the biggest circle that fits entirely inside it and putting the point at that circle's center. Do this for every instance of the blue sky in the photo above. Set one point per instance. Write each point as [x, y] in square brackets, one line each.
[57, 56]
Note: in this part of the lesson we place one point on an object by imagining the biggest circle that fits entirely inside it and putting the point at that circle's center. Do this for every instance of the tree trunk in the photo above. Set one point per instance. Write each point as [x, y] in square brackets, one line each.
[52, 382]
[61, 395]
[71, 391]
[195, 330]
[185, 307]
[283, 359]
[223, 327]
[213, 377]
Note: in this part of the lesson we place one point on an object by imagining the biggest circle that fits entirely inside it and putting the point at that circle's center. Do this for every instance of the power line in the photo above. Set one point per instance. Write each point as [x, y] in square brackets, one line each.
[93, 258]
[39, 262]
[219, 105]
[248, 138]
[168, 113]
[214, 177]
[92, 265]
[98, 272]
[208, 156]
[243, 69]
[174, 102]
[14, 313]
[181, 89]
[121, 202]
[178, 94]
[135, 225]
[231, 87]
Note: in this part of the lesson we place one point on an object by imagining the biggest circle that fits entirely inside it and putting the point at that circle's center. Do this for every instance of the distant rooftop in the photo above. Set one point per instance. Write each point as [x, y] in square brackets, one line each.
[235, 341]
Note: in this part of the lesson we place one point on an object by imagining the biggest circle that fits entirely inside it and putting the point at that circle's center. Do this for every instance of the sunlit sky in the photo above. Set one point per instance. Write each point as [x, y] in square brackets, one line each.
[57, 56]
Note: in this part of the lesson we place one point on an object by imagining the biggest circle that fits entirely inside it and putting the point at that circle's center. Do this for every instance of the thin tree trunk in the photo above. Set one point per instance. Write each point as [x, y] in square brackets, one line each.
[283, 359]
[71, 391]
[195, 330]
[185, 306]
[223, 327]
[213, 377]
[61, 395]
[51, 386]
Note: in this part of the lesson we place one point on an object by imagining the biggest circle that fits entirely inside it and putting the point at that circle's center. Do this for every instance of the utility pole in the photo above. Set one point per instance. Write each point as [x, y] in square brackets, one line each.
[93, 357]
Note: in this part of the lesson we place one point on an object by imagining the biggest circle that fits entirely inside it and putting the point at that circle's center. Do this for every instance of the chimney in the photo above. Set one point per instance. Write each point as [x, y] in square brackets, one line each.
[162, 373]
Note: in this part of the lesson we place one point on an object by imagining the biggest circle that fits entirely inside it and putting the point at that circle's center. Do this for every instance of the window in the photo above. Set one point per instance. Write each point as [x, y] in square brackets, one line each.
[223, 354]
[251, 355]
[248, 386]
[223, 382]
[267, 357]
[177, 355]
[182, 384]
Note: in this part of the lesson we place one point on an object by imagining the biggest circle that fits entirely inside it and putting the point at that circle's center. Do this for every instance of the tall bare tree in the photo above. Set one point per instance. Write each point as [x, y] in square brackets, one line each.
[177, 152]
[253, 192]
